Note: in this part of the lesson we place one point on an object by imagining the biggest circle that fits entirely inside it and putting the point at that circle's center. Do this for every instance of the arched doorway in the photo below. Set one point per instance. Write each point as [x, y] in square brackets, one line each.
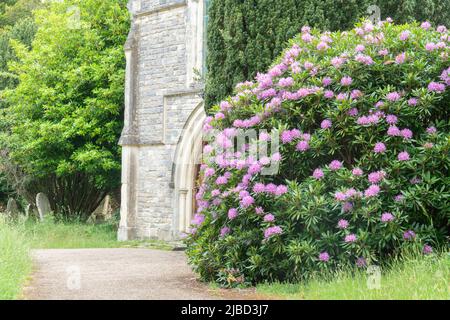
[186, 168]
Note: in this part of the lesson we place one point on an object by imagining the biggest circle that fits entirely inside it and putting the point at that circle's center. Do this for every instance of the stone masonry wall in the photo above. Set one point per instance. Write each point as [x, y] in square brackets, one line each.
[163, 103]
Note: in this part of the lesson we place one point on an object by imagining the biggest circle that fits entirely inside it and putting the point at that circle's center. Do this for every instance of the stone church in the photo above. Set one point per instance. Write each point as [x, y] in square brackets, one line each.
[162, 137]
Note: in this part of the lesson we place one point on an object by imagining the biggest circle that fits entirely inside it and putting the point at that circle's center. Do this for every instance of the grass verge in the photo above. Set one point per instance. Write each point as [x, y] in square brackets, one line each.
[15, 262]
[415, 278]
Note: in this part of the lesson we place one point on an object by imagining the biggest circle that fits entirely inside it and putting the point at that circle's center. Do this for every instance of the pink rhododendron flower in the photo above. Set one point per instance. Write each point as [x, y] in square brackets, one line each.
[224, 231]
[409, 235]
[412, 102]
[322, 46]
[405, 35]
[353, 112]
[281, 189]
[347, 206]
[326, 81]
[436, 87]
[403, 156]
[324, 256]
[337, 62]
[431, 130]
[328, 94]
[372, 191]
[401, 58]
[232, 213]
[350, 238]
[221, 180]
[343, 224]
[379, 147]
[391, 119]
[393, 96]
[387, 217]
[259, 188]
[247, 201]
[346, 81]
[398, 198]
[393, 131]
[383, 52]
[302, 146]
[276, 157]
[360, 48]
[340, 196]
[406, 134]
[271, 188]
[269, 218]
[286, 82]
[318, 174]
[367, 60]
[376, 177]
[425, 25]
[357, 172]
[326, 124]
[335, 165]
[430, 46]
[356, 94]
[198, 219]
[427, 249]
[441, 29]
[272, 231]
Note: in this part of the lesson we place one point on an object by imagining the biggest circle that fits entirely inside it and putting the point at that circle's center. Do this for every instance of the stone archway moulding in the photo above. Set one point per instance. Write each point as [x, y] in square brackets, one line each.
[187, 157]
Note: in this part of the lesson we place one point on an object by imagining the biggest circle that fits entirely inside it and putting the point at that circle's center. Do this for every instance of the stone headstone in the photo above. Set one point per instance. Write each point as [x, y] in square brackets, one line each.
[103, 211]
[30, 211]
[11, 207]
[43, 205]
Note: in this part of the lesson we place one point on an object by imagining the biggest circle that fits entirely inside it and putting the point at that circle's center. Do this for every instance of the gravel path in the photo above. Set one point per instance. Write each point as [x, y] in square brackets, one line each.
[117, 274]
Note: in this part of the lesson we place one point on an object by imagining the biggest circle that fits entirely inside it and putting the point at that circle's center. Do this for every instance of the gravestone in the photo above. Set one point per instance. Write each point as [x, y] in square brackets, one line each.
[30, 211]
[103, 211]
[11, 208]
[43, 205]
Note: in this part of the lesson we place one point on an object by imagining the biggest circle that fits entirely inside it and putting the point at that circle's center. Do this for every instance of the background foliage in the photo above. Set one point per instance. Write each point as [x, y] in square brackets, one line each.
[63, 120]
[244, 36]
[16, 23]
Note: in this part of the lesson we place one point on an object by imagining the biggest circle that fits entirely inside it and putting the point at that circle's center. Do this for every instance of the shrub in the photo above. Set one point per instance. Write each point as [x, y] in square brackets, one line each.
[364, 123]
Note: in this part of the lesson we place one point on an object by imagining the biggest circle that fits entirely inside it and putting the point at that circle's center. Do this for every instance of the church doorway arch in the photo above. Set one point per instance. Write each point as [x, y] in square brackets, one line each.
[187, 162]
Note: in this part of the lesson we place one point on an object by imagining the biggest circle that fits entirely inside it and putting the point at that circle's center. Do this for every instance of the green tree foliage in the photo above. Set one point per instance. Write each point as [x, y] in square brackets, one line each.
[244, 36]
[65, 116]
[16, 23]
[403, 11]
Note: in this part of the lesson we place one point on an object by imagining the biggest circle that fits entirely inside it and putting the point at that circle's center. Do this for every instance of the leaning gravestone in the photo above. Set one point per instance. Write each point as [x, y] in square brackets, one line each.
[43, 205]
[11, 208]
[30, 211]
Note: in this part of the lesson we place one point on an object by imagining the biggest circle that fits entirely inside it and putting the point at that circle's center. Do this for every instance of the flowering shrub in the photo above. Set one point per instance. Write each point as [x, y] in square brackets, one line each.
[363, 120]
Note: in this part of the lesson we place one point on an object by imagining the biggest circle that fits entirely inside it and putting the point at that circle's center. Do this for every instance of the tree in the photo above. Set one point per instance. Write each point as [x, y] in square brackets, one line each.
[244, 36]
[64, 118]
[16, 23]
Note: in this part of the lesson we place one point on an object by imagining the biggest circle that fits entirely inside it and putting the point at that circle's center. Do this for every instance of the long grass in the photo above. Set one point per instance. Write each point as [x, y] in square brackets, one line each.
[15, 262]
[51, 234]
[412, 278]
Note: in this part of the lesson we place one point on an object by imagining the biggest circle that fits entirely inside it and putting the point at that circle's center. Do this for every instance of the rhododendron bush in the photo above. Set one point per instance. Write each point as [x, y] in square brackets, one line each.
[363, 122]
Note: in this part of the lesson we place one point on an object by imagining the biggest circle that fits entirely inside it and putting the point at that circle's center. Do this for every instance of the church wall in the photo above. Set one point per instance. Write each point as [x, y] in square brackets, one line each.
[161, 100]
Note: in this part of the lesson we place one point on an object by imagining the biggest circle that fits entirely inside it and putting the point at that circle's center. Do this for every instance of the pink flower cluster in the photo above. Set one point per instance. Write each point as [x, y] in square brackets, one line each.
[271, 231]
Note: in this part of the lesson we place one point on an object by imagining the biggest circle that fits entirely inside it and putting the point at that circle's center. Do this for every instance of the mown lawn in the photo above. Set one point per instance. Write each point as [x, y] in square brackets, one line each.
[422, 278]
